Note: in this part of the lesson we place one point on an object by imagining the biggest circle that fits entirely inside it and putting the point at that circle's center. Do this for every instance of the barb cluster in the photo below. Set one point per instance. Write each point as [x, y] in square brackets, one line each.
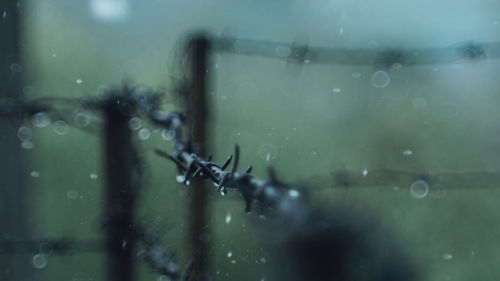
[190, 165]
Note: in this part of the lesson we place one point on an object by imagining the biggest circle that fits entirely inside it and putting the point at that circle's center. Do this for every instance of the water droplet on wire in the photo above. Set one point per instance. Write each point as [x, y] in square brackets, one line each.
[144, 134]
[168, 135]
[135, 123]
[180, 178]
[60, 127]
[24, 133]
[41, 119]
[82, 119]
[293, 193]
[40, 261]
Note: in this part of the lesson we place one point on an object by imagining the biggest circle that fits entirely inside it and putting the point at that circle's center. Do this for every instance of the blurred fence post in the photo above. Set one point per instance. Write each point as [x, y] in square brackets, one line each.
[14, 210]
[198, 232]
[122, 179]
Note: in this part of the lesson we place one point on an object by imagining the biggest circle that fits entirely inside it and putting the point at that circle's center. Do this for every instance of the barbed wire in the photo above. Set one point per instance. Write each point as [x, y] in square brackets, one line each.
[378, 56]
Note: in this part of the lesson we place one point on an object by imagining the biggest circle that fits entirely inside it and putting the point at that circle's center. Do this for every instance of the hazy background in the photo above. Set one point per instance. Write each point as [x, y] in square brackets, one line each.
[301, 123]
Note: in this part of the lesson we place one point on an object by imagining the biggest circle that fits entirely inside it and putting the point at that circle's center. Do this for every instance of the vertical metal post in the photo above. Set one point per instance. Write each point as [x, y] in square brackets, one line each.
[198, 234]
[123, 179]
[14, 210]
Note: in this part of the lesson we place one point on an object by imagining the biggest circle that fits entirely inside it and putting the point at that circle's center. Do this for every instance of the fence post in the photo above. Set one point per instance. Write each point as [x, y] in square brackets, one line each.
[123, 180]
[198, 233]
[14, 210]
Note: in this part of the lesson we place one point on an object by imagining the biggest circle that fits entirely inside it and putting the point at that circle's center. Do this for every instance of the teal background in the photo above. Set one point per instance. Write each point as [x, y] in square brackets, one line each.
[302, 123]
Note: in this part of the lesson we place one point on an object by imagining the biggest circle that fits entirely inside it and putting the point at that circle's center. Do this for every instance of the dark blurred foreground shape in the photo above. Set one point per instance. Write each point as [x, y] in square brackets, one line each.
[343, 247]
[14, 209]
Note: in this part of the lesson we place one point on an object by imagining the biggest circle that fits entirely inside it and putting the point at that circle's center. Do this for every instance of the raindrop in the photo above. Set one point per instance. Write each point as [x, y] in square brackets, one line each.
[267, 152]
[419, 189]
[407, 152]
[380, 79]
[263, 260]
[27, 145]
[40, 261]
[180, 178]
[283, 51]
[233, 261]
[71, 194]
[4, 14]
[93, 176]
[79, 81]
[168, 135]
[228, 218]
[35, 174]
[135, 123]
[60, 127]
[144, 134]
[336, 90]
[41, 119]
[447, 256]
[356, 75]
[24, 133]
[364, 172]
[82, 119]
[293, 193]
[418, 102]
[229, 254]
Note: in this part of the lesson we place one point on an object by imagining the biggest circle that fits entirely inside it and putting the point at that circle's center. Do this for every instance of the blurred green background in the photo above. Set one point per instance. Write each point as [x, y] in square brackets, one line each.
[302, 123]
